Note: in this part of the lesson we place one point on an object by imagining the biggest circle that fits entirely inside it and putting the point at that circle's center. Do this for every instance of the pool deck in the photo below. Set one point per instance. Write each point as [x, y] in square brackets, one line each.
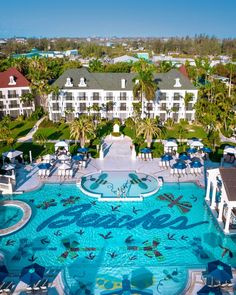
[28, 179]
[195, 283]
[117, 156]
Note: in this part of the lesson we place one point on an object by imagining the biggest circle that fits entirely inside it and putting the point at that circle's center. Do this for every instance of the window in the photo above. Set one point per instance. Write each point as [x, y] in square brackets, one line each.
[12, 94]
[163, 96]
[176, 96]
[1, 105]
[123, 96]
[55, 106]
[189, 107]
[69, 106]
[13, 104]
[68, 96]
[56, 117]
[163, 106]
[82, 96]
[24, 92]
[109, 96]
[123, 107]
[1, 96]
[189, 117]
[149, 106]
[176, 106]
[162, 117]
[82, 107]
[175, 117]
[95, 95]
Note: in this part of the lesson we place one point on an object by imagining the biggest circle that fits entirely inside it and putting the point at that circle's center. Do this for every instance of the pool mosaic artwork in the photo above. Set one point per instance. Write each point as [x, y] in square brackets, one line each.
[115, 248]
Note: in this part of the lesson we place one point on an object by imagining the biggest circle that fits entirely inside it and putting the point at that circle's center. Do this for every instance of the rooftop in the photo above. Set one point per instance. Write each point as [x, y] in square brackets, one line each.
[228, 176]
[112, 81]
[20, 80]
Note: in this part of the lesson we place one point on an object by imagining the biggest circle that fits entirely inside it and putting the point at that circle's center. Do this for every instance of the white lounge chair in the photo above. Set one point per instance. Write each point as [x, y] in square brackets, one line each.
[172, 171]
[71, 173]
[161, 163]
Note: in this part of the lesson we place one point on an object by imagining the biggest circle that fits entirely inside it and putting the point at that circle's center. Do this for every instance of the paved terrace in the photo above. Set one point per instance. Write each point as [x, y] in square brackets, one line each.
[117, 156]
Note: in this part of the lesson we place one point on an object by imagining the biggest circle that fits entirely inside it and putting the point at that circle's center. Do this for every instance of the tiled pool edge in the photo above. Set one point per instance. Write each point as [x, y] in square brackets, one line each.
[27, 212]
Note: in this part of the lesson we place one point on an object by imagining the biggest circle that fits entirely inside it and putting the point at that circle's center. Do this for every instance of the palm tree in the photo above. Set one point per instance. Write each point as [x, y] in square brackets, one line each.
[27, 98]
[149, 129]
[144, 82]
[95, 65]
[81, 128]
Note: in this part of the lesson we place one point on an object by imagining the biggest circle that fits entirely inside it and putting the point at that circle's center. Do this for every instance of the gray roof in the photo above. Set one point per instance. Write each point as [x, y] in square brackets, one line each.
[228, 176]
[112, 81]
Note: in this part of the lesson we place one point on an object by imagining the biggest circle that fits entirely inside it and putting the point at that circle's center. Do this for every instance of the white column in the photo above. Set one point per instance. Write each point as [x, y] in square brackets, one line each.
[208, 189]
[101, 155]
[228, 219]
[221, 207]
[213, 197]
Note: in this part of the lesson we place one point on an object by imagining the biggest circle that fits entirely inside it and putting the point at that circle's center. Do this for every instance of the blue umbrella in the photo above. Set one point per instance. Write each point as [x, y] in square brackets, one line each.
[171, 139]
[44, 166]
[206, 150]
[179, 165]
[206, 290]
[146, 150]
[195, 139]
[184, 157]
[78, 158]
[83, 150]
[191, 150]
[3, 272]
[32, 273]
[196, 164]
[166, 157]
[219, 271]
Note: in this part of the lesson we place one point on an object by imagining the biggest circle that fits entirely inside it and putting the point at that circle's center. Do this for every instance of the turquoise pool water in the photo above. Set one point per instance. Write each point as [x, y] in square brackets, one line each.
[9, 215]
[99, 244]
[119, 184]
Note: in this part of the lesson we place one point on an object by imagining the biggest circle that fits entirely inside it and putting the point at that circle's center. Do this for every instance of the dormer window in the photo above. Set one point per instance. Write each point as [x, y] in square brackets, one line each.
[12, 80]
[69, 82]
[177, 83]
[82, 82]
[123, 83]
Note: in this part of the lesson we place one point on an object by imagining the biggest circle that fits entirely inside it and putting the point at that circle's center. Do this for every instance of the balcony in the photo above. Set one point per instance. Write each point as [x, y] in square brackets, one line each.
[13, 95]
[14, 106]
[96, 97]
[82, 97]
[109, 98]
[69, 97]
[2, 96]
[123, 98]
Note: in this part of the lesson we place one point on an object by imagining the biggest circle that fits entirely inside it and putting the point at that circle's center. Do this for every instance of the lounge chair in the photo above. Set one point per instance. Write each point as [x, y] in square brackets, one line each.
[172, 171]
[161, 164]
[71, 173]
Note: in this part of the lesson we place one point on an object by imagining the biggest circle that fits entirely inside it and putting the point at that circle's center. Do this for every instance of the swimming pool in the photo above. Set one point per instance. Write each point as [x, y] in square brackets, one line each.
[99, 244]
[9, 215]
[119, 185]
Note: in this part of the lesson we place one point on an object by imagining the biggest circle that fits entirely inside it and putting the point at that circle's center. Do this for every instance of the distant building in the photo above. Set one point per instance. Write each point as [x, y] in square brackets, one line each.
[49, 54]
[143, 55]
[12, 85]
[111, 96]
[124, 58]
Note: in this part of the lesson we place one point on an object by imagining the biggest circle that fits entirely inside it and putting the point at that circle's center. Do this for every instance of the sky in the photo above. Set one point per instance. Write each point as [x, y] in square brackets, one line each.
[121, 18]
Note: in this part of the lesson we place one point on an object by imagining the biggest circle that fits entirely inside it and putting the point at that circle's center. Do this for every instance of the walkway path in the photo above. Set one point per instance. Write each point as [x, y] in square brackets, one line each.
[29, 136]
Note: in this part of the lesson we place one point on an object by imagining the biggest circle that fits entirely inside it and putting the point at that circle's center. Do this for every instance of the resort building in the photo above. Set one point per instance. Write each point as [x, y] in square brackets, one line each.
[110, 95]
[221, 195]
[12, 86]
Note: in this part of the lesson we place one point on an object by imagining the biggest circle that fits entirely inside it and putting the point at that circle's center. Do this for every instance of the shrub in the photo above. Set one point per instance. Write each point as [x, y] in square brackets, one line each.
[116, 134]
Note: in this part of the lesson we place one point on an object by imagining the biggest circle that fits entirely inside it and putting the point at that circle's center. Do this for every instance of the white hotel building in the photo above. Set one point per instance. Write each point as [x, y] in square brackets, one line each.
[111, 95]
[12, 86]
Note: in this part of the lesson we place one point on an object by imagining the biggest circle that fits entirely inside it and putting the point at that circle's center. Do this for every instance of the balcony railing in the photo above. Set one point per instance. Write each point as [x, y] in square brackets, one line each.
[123, 97]
[69, 97]
[14, 106]
[109, 98]
[82, 97]
[13, 95]
[96, 97]
[2, 96]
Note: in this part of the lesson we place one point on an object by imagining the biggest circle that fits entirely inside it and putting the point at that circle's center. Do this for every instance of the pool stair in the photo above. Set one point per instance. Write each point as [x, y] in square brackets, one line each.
[121, 198]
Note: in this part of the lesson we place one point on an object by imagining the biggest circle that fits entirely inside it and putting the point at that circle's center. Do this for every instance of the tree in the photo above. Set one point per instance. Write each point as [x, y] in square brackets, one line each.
[149, 129]
[144, 82]
[95, 65]
[27, 98]
[81, 128]
[165, 66]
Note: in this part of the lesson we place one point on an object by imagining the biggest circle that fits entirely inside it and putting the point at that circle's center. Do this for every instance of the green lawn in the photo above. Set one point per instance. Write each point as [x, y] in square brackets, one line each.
[21, 128]
[36, 149]
[53, 131]
[192, 131]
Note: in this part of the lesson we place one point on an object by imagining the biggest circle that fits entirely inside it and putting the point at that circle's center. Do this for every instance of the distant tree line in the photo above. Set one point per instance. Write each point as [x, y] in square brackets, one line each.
[200, 45]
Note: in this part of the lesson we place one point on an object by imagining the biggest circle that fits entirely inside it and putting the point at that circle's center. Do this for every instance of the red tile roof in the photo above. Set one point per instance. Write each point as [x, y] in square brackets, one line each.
[20, 80]
[183, 70]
